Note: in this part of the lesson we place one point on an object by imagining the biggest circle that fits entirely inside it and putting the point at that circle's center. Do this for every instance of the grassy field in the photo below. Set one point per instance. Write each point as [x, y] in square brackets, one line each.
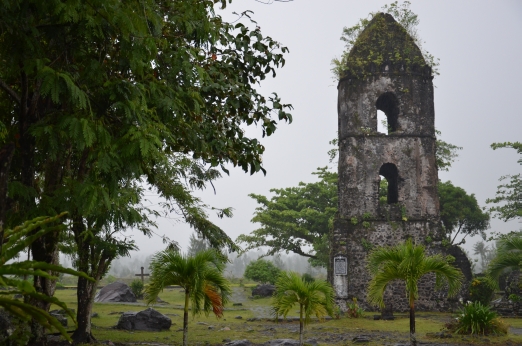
[235, 325]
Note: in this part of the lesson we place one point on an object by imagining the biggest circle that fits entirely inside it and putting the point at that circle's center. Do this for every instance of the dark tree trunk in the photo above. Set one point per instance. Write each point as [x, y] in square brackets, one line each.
[44, 250]
[6, 155]
[85, 294]
[94, 262]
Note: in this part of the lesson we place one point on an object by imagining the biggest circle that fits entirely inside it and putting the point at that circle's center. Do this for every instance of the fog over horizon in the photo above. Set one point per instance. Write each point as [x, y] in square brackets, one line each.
[477, 96]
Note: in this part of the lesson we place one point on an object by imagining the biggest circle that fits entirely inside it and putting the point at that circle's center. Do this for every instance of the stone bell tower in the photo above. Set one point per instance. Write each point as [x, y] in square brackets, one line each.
[386, 71]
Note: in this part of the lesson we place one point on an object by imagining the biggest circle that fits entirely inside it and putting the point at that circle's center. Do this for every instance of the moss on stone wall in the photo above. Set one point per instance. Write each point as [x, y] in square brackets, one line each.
[383, 46]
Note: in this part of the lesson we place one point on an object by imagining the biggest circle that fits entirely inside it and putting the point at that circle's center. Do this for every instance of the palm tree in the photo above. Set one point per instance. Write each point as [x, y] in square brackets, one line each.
[508, 256]
[201, 276]
[481, 249]
[408, 262]
[314, 298]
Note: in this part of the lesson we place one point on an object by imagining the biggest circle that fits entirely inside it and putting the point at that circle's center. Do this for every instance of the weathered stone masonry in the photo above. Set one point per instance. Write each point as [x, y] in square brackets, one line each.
[386, 71]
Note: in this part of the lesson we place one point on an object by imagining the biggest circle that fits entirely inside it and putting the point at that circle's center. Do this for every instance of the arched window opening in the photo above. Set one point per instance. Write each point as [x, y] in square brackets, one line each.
[382, 122]
[390, 173]
[389, 105]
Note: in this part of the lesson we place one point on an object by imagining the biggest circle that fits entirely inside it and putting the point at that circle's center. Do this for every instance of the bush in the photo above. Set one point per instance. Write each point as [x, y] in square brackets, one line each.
[476, 318]
[262, 271]
[111, 279]
[481, 290]
[307, 278]
[354, 310]
[514, 298]
[137, 287]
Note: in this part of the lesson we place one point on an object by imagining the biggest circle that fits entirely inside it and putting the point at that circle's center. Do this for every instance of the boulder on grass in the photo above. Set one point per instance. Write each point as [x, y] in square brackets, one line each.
[148, 320]
[115, 292]
[263, 291]
[60, 317]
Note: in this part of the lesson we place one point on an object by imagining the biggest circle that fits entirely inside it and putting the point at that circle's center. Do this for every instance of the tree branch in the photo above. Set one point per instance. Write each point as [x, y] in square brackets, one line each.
[10, 91]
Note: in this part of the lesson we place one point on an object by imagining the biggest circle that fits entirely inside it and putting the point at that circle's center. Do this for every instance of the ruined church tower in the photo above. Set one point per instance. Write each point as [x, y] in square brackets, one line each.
[386, 71]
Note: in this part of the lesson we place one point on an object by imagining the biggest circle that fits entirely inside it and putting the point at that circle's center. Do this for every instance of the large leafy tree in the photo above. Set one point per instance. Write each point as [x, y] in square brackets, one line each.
[200, 276]
[296, 218]
[313, 297]
[408, 262]
[100, 96]
[460, 213]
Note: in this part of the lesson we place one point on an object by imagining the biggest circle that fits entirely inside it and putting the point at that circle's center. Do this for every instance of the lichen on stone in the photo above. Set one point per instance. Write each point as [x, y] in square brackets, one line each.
[384, 46]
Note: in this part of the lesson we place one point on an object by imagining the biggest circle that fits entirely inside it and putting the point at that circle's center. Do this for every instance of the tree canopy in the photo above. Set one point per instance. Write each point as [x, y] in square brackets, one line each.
[262, 271]
[100, 97]
[295, 218]
[460, 213]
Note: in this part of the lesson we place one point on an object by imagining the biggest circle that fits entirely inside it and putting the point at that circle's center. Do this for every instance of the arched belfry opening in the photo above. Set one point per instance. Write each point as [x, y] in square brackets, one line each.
[391, 174]
[389, 105]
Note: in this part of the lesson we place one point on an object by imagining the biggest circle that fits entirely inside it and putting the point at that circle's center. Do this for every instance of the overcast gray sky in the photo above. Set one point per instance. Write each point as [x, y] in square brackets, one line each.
[477, 97]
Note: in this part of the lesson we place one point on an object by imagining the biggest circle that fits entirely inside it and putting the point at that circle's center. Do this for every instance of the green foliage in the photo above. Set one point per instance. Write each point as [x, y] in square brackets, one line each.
[476, 318]
[404, 215]
[485, 252]
[111, 279]
[15, 241]
[383, 192]
[201, 276]
[367, 246]
[460, 213]
[408, 262]
[509, 194]
[196, 245]
[262, 271]
[101, 97]
[508, 256]
[445, 153]
[314, 298]
[356, 39]
[354, 310]
[481, 290]
[296, 217]
[307, 278]
[514, 298]
[137, 288]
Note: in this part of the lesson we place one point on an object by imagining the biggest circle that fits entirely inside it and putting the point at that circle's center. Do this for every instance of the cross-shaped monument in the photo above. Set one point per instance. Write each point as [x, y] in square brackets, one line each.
[142, 275]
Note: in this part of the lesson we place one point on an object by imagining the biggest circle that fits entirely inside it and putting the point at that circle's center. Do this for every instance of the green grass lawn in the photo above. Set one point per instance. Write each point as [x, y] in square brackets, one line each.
[210, 330]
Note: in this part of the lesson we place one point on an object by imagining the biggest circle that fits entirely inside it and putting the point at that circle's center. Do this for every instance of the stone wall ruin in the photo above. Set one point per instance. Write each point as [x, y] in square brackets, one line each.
[386, 71]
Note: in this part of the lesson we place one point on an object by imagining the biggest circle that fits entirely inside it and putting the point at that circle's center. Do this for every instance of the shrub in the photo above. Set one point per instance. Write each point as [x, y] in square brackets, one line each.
[476, 318]
[354, 310]
[111, 279]
[137, 287]
[514, 298]
[481, 290]
[262, 271]
[307, 278]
